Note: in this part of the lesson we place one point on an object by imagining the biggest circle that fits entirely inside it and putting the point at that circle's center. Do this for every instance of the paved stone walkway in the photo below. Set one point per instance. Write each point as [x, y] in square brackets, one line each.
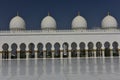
[57, 69]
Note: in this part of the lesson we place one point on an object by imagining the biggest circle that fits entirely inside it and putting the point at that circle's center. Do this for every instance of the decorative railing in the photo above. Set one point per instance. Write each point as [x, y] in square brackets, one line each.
[43, 31]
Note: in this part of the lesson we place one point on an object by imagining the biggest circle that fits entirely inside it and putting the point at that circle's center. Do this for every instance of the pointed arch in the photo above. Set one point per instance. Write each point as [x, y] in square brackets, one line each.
[22, 50]
[115, 49]
[48, 50]
[90, 49]
[82, 46]
[31, 47]
[74, 49]
[57, 50]
[40, 50]
[5, 52]
[65, 49]
[14, 51]
[98, 49]
[107, 49]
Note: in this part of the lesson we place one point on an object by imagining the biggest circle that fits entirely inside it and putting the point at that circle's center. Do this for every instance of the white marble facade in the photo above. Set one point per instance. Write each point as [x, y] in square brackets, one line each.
[76, 39]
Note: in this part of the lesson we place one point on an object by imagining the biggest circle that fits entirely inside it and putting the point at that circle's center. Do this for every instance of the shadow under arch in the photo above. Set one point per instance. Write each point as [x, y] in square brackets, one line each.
[74, 49]
[107, 49]
[5, 52]
[57, 50]
[31, 47]
[98, 49]
[90, 49]
[48, 50]
[14, 51]
[22, 50]
[82, 49]
[40, 50]
[115, 49]
[65, 49]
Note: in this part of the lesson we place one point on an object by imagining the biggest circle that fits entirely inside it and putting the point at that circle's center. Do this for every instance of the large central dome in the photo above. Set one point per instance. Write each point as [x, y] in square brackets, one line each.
[17, 23]
[79, 22]
[48, 23]
[109, 22]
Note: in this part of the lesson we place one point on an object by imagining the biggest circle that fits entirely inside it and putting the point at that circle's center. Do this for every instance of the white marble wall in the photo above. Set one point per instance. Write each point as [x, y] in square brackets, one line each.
[60, 37]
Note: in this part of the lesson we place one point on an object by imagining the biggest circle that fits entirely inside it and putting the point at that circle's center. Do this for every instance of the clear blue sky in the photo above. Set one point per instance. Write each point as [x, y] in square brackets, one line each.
[33, 11]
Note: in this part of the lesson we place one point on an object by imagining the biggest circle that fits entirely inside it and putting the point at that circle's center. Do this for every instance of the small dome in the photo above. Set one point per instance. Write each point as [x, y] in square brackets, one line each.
[109, 22]
[79, 22]
[17, 23]
[48, 23]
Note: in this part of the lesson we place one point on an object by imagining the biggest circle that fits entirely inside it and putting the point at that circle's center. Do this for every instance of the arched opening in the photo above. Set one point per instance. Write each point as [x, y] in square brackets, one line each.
[57, 50]
[40, 50]
[65, 50]
[90, 49]
[98, 49]
[14, 51]
[107, 49]
[74, 49]
[115, 49]
[31, 50]
[5, 52]
[48, 50]
[82, 49]
[22, 50]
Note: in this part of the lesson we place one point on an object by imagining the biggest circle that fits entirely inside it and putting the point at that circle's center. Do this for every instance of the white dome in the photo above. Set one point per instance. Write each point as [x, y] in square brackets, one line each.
[48, 23]
[17, 23]
[79, 23]
[109, 22]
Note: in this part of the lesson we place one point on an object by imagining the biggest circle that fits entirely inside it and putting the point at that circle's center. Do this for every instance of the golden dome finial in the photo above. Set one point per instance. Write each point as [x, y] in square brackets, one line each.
[48, 13]
[17, 13]
[78, 13]
[108, 13]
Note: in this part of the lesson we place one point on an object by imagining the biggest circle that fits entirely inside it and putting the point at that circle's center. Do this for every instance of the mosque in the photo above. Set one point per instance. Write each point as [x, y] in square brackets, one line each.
[19, 43]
